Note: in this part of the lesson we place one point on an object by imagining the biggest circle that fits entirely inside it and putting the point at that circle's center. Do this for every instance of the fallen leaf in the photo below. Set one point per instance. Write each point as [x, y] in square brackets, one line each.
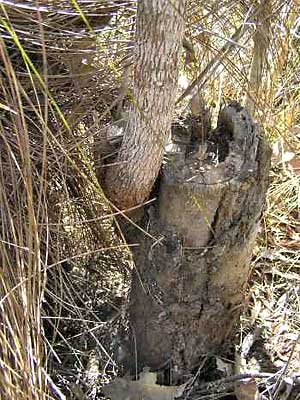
[224, 367]
[143, 389]
[288, 156]
[291, 244]
[279, 154]
[247, 391]
[294, 166]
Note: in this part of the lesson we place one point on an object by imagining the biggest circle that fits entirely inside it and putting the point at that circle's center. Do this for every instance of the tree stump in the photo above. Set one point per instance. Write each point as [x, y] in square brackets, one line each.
[190, 283]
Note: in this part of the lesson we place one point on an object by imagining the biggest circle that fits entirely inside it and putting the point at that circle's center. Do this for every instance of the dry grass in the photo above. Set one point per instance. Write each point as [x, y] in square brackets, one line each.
[24, 233]
[61, 78]
[54, 216]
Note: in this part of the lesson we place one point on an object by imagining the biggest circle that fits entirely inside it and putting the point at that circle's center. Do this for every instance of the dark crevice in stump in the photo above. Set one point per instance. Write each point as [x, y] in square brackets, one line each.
[190, 285]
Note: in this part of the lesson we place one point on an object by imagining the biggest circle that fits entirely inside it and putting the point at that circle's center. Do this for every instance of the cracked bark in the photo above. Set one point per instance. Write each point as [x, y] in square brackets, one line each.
[190, 285]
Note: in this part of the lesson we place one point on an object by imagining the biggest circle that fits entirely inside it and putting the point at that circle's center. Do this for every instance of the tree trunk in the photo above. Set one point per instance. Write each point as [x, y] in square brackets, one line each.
[159, 35]
[189, 289]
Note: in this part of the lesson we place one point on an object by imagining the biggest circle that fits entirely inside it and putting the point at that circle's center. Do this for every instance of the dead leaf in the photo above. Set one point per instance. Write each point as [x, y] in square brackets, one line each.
[224, 367]
[288, 156]
[294, 166]
[247, 391]
[143, 389]
[290, 244]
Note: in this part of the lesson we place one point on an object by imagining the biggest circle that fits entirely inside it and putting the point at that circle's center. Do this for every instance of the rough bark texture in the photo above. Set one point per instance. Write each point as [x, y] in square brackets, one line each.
[189, 288]
[160, 28]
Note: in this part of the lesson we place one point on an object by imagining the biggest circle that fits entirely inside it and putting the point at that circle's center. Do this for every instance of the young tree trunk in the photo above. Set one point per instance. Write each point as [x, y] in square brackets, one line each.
[159, 35]
[190, 285]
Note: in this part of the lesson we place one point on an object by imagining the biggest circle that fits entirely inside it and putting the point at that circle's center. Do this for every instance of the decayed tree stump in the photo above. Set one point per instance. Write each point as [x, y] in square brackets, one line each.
[189, 286]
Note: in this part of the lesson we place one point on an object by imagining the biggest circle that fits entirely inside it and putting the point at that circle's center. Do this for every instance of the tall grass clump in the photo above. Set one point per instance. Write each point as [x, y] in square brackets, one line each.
[52, 205]
[24, 237]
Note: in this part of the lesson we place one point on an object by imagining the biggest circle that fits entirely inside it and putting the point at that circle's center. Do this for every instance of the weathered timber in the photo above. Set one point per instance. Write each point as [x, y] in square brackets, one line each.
[190, 284]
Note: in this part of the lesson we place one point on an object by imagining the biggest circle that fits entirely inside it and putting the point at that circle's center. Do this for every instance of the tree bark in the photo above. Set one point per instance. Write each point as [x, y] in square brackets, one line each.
[159, 35]
[189, 287]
